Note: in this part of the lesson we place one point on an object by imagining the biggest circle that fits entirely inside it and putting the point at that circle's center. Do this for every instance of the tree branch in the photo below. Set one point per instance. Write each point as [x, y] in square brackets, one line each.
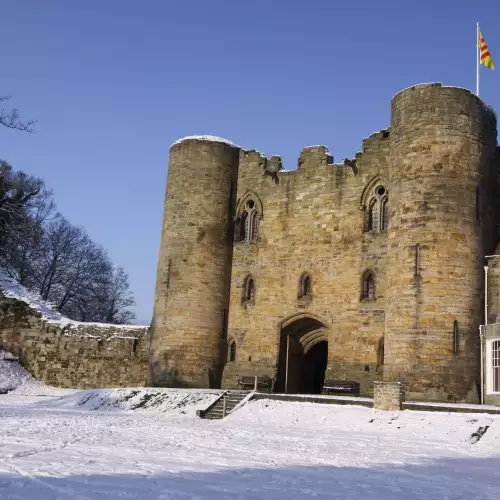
[10, 118]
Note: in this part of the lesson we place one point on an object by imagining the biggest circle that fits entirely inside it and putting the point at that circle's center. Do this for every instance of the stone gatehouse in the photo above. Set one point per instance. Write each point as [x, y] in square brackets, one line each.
[378, 268]
[369, 269]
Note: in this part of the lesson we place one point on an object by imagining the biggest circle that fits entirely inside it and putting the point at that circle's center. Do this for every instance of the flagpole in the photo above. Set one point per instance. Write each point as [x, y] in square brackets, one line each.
[477, 59]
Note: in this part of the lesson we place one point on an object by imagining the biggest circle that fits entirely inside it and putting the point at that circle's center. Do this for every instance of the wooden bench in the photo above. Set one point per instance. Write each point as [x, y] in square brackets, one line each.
[7, 356]
[263, 382]
[341, 386]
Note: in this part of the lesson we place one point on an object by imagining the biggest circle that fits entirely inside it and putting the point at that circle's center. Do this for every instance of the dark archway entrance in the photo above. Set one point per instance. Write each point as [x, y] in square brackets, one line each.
[303, 356]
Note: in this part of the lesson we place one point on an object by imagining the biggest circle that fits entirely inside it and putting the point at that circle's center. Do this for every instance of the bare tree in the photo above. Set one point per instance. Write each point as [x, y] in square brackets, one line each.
[25, 204]
[10, 118]
[20, 195]
[77, 276]
[118, 299]
[70, 262]
[47, 254]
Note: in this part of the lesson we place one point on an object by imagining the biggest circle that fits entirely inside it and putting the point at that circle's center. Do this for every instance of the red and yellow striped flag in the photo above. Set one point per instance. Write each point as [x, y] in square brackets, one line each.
[485, 57]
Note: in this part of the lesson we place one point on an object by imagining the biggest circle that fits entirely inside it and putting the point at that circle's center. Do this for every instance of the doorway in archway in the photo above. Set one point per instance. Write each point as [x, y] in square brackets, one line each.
[315, 361]
[303, 356]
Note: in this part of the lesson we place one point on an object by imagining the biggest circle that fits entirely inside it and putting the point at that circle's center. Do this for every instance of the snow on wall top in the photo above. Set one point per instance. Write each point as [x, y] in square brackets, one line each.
[13, 290]
[422, 86]
[211, 138]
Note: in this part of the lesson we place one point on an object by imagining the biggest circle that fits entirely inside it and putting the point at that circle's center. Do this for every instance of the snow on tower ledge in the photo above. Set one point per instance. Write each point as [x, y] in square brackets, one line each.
[10, 289]
[209, 138]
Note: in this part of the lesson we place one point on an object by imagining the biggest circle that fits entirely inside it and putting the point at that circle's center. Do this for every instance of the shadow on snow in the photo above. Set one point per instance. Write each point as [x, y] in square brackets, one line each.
[451, 479]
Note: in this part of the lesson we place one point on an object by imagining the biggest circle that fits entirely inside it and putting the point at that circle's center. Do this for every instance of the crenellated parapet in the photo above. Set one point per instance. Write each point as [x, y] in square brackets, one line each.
[376, 141]
[314, 156]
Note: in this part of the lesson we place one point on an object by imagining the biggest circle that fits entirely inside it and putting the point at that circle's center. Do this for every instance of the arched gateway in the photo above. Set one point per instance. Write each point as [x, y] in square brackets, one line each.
[303, 355]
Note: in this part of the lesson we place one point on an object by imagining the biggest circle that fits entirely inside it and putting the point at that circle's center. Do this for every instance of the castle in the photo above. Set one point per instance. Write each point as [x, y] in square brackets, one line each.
[382, 268]
[367, 270]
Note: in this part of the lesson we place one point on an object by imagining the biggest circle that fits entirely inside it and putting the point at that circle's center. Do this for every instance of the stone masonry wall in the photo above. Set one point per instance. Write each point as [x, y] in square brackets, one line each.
[443, 142]
[436, 165]
[194, 265]
[80, 357]
[313, 221]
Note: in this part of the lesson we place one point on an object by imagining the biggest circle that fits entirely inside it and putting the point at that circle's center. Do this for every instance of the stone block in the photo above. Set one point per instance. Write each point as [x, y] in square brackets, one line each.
[388, 396]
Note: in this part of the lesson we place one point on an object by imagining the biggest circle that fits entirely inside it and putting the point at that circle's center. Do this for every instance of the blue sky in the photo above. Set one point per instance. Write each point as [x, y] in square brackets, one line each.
[114, 83]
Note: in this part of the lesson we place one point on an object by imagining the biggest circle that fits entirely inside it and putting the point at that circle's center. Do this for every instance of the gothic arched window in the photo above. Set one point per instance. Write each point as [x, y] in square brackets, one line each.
[232, 351]
[377, 209]
[243, 223]
[368, 291]
[372, 216]
[305, 285]
[248, 296]
[248, 218]
[384, 213]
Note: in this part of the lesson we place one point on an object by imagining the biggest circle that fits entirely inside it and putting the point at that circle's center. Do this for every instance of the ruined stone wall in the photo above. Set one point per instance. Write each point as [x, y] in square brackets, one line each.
[313, 221]
[86, 356]
[443, 141]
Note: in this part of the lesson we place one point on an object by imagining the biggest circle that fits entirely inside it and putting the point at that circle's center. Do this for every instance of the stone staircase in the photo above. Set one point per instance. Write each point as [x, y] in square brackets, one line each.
[224, 405]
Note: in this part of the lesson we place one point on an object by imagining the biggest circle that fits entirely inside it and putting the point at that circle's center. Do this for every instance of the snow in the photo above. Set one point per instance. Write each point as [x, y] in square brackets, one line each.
[434, 84]
[11, 289]
[55, 448]
[463, 406]
[313, 146]
[176, 401]
[211, 138]
[12, 375]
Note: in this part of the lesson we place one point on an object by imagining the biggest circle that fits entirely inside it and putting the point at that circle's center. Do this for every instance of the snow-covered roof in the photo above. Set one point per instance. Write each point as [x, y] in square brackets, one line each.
[13, 290]
[211, 138]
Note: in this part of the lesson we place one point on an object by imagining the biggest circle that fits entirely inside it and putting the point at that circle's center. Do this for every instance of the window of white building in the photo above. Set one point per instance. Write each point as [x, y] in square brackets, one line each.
[493, 366]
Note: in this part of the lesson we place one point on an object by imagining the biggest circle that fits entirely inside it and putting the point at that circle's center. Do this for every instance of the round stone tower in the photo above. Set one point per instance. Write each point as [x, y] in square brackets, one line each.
[194, 269]
[442, 142]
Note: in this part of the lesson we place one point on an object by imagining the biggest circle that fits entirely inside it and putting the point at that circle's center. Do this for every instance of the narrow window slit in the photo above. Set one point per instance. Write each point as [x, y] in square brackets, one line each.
[455, 337]
[368, 290]
[416, 273]
[232, 351]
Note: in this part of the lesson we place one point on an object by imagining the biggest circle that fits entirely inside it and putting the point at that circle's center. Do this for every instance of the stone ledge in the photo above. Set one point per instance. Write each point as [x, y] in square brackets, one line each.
[450, 408]
[305, 398]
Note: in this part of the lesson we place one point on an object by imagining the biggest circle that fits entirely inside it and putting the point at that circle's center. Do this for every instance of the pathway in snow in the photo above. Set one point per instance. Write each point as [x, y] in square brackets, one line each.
[267, 450]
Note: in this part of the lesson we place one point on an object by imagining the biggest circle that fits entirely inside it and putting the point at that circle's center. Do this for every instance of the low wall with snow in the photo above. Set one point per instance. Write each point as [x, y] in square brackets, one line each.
[67, 353]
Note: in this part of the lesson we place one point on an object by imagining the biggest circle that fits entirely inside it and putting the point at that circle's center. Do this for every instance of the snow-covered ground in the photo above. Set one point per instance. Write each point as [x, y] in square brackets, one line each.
[91, 445]
[13, 376]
